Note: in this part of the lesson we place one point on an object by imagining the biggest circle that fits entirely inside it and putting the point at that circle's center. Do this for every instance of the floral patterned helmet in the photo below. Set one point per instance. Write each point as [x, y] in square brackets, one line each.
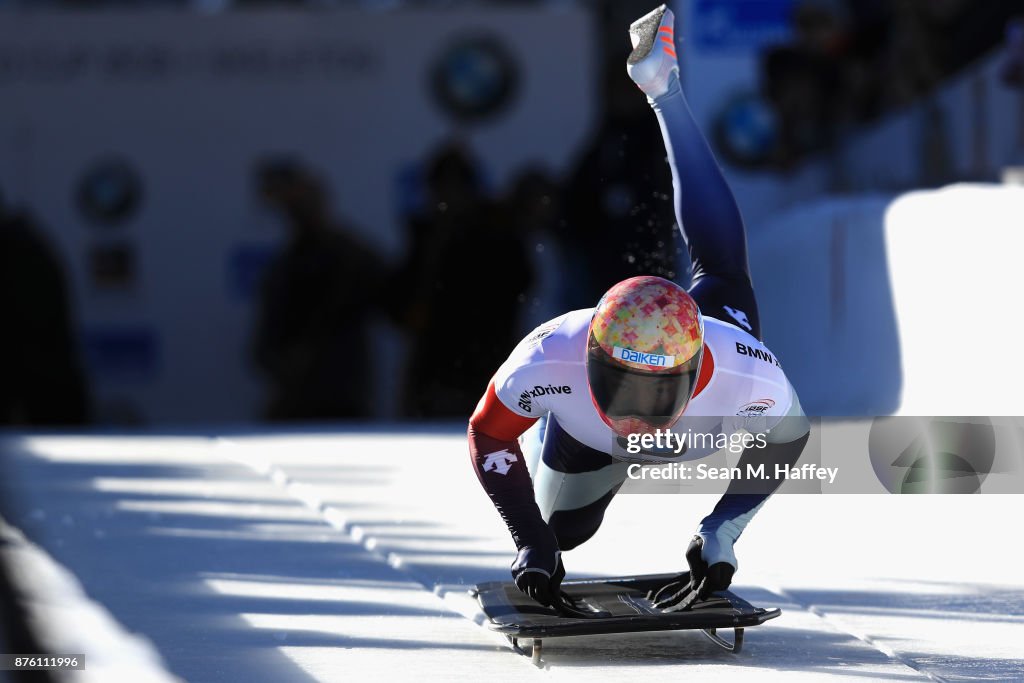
[644, 349]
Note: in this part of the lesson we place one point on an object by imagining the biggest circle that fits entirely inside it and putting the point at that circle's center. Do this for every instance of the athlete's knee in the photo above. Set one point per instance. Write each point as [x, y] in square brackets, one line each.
[569, 533]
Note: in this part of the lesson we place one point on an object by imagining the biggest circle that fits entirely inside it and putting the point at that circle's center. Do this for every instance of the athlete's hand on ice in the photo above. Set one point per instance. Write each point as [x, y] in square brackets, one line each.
[538, 572]
[701, 581]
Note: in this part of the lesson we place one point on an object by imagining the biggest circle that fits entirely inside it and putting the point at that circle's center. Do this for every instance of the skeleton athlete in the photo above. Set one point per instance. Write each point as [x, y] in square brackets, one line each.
[650, 353]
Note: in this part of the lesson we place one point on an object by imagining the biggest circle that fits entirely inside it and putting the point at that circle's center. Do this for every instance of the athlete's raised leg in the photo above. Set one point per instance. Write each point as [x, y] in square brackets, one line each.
[705, 207]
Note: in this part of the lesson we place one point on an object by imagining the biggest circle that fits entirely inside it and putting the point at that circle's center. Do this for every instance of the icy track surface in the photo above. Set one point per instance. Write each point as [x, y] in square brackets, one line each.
[341, 557]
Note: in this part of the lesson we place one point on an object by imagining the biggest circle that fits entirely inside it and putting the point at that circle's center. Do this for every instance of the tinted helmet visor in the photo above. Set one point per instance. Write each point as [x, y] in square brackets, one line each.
[656, 397]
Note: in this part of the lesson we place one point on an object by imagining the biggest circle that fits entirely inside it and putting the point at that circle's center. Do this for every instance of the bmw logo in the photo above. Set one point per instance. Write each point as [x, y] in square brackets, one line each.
[745, 131]
[474, 78]
[109, 192]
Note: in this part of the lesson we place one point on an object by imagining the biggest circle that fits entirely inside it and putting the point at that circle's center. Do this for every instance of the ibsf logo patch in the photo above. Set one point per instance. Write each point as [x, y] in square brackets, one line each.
[756, 408]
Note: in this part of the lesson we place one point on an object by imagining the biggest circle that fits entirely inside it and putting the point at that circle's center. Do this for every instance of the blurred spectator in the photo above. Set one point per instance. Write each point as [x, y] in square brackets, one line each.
[919, 50]
[853, 60]
[618, 201]
[533, 205]
[41, 379]
[805, 80]
[534, 210]
[1012, 70]
[315, 304]
[464, 283]
[971, 29]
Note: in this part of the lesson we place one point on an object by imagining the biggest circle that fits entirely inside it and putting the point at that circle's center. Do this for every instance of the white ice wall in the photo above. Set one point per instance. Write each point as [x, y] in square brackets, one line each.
[906, 305]
[821, 279]
[957, 276]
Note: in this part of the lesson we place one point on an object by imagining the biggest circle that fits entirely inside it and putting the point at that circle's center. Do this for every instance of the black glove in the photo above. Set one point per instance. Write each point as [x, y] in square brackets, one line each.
[538, 572]
[696, 585]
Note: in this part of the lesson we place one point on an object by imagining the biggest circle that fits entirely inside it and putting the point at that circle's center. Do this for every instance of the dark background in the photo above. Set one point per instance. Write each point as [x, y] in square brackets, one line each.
[479, 262]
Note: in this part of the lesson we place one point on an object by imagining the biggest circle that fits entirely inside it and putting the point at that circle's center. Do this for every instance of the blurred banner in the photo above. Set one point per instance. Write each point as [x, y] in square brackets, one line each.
[134, 138]
[741, 24]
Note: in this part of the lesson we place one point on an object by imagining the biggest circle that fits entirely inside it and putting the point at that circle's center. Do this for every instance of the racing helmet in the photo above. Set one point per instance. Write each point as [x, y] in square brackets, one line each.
[644, 349]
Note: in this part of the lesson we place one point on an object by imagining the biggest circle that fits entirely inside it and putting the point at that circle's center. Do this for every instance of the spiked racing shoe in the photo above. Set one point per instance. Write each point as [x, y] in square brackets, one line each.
[653, 60]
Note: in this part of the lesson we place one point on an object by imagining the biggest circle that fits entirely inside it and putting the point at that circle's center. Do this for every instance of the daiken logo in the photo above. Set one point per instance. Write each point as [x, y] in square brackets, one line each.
[526, 398]
[645, 358]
